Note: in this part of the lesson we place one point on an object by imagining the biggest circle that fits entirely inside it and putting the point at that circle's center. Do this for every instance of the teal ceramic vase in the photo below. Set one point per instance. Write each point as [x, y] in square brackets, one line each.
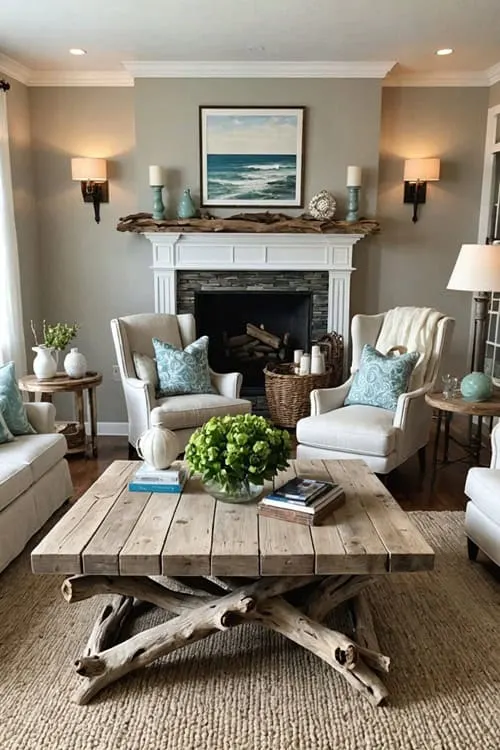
[476, 387]
[186, 208]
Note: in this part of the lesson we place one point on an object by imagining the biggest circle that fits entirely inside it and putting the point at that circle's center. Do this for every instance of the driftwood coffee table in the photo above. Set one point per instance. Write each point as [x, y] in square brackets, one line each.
[215, 566]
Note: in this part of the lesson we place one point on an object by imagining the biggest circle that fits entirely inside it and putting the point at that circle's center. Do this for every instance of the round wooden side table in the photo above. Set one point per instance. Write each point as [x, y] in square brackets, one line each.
[62, 383]
[457, 405]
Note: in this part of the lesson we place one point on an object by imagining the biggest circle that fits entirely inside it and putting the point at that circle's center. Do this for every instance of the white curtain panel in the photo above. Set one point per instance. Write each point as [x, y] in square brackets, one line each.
[12, 345]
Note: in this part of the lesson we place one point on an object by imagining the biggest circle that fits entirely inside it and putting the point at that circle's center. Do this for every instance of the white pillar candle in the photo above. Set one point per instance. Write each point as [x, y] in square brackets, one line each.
[297, 355]
[305, 364]
[353, 176]
[156, 176]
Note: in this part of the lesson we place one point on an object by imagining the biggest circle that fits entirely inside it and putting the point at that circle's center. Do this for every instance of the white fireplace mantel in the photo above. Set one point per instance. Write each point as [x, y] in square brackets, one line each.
[227, 251]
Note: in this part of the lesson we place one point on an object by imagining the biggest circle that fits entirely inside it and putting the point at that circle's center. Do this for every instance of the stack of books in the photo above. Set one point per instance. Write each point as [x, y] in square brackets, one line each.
[149, 479]
[301, 500]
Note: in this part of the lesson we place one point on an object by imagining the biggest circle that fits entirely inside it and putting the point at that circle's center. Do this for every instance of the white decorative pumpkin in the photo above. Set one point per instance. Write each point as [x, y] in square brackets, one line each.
[158, 446]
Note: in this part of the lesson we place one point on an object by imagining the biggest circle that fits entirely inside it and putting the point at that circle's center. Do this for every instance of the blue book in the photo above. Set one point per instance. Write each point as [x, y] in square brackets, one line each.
[154, 487]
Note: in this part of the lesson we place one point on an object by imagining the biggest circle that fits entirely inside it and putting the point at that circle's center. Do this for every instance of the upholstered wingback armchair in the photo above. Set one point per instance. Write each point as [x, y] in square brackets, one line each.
[133, 334]
[382, 438]
[482, 514]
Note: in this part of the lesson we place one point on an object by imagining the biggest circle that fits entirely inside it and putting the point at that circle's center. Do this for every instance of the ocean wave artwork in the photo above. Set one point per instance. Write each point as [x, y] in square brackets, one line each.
[251, 156]
[251, 177]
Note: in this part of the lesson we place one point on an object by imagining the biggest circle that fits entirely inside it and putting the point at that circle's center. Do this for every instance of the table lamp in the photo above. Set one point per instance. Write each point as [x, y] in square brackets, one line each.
[477, 268]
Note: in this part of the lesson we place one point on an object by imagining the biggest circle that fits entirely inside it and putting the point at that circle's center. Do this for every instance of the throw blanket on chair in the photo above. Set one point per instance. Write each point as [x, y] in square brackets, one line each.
[412, 328]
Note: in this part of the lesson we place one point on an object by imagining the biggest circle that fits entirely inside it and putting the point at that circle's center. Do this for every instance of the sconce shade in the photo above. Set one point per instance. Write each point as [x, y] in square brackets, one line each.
[93, 170]
[477, 269]
[422, 170]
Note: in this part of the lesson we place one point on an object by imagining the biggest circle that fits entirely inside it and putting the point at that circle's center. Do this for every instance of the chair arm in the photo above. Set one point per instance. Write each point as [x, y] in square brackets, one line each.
[138, 400]
[328, 399]
[227, 383]
[410, 406]
[495, 447]
[42, 416]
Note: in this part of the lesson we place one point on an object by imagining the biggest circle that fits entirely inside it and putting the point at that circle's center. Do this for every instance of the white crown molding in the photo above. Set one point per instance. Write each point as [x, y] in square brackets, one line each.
[13, 69]
[431, 79]
[256, 69]
[493, 74]
[80, 78]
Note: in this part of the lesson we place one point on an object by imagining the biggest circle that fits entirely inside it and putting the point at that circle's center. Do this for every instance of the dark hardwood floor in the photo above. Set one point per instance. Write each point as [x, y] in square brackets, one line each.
[404, 483]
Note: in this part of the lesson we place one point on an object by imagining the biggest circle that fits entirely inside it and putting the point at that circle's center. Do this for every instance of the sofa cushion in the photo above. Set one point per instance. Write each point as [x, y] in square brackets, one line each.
[11, 402]
[145, 369]
[483, 488]
[350, 429]
[38, 452]
[15, 478]
[183, 370]
[381, 379]
[183, 412]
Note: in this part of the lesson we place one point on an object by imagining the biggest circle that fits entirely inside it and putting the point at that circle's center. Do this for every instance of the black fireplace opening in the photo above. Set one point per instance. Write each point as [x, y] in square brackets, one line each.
[249, 329]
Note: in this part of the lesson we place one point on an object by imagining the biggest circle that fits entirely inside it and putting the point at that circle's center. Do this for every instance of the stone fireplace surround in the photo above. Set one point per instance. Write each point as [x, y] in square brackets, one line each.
[319, 262]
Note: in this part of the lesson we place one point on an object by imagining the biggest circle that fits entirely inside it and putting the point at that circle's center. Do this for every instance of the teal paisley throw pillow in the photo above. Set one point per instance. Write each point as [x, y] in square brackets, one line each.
[182, 370]
[380, 380]
[6, 435]
[11, 402]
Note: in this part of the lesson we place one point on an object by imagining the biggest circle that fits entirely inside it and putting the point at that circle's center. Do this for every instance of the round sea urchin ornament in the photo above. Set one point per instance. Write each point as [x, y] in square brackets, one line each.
[322, 205]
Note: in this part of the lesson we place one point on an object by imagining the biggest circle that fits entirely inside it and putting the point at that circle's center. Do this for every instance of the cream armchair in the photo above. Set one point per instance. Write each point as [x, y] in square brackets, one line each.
[482, 514]
[382, 438]
[182, 414]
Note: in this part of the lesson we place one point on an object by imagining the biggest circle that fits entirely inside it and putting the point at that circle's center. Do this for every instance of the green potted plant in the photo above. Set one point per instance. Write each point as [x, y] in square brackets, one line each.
[234, 455]
[55, 337]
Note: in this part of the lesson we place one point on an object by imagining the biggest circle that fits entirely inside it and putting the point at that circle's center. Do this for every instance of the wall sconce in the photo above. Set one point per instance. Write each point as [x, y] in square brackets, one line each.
[418, 172]
[92, 174]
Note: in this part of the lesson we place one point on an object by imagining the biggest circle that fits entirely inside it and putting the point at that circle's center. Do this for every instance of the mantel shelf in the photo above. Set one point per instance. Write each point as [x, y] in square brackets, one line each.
[256, 223]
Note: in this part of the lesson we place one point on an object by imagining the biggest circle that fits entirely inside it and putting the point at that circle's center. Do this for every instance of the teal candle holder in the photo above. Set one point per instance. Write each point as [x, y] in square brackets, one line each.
[158, 207]
[352, 204]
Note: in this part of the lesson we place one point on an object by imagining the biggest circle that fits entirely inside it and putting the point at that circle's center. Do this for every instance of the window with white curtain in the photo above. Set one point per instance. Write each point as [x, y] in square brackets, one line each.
[11, 316]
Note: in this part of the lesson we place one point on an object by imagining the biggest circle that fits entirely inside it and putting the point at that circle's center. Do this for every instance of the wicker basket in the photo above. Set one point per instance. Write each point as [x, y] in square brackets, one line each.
[288, 394]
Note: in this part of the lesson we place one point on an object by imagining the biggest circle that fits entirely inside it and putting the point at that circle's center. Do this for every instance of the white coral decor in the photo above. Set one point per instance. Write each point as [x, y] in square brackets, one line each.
[323, 205]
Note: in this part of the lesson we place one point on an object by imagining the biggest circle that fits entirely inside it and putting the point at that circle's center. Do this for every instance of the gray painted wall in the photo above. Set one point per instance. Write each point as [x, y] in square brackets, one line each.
[341, 128]
[494, 95]
[18, 116]
[413, 262]
[90, 273]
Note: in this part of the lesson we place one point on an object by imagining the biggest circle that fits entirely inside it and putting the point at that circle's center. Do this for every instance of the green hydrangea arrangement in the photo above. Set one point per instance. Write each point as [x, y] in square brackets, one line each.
[57, 335]
[236, 450]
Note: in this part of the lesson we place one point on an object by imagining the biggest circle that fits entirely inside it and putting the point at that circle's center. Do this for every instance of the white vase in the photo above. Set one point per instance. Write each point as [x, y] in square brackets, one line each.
[75, 364]
[158, 446]
[44, 364]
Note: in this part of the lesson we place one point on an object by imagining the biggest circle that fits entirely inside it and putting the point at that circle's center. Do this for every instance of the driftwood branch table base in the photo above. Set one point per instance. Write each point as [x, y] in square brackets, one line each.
[214, 566]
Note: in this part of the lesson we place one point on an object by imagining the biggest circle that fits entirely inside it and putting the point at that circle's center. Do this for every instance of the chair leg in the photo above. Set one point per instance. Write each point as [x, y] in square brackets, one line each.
[422, 454]
[132, 453]
[472, 549]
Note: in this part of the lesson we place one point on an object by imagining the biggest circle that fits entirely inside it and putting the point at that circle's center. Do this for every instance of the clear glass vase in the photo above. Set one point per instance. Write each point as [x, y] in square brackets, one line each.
[244, 493]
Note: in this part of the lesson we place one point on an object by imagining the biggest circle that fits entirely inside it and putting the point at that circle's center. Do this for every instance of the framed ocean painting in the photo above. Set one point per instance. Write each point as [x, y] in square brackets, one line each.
[251, 156]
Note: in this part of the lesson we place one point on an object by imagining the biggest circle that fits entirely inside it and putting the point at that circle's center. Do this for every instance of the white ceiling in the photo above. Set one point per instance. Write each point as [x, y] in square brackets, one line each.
[38, 33]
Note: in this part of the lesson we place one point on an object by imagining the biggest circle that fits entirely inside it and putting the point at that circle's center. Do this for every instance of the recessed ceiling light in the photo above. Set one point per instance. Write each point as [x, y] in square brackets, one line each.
[445, 51]
[77, 51]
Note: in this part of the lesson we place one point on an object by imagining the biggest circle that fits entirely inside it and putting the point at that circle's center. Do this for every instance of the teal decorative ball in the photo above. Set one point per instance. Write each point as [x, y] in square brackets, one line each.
[476, 387]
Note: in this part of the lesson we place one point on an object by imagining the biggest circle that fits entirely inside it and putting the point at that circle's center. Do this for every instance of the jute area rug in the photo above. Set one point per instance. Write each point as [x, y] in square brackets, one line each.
[253, 690]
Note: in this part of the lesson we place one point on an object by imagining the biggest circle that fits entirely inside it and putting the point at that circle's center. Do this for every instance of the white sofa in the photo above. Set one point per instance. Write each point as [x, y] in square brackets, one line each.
[34, 481]
[482, 515]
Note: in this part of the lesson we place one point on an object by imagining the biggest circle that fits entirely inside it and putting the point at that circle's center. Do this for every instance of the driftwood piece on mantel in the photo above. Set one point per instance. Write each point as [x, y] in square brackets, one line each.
[256, 222]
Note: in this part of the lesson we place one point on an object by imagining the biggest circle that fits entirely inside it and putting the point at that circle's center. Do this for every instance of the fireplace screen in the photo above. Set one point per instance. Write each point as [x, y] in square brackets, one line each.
[249, 329]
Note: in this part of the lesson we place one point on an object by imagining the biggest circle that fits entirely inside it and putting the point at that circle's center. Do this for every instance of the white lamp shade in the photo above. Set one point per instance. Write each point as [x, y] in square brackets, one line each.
[421, 169]
[94, 170]
[477, 269]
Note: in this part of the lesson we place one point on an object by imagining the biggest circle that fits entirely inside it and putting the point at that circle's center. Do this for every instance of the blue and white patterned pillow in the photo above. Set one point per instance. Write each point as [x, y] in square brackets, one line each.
[381, 380]
[182, 370]
[11, 402]
[6, 435]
